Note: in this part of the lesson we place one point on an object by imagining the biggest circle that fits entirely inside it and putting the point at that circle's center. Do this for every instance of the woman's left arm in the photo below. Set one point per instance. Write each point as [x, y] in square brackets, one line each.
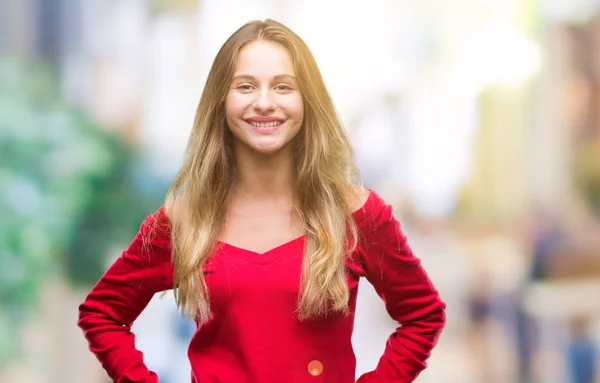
[409, 295]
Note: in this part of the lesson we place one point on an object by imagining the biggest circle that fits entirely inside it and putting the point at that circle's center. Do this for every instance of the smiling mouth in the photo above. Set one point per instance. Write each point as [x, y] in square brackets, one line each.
[265, 125]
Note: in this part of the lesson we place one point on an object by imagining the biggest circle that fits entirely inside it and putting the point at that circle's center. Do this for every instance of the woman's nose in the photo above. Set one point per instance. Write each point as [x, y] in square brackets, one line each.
[264, 100]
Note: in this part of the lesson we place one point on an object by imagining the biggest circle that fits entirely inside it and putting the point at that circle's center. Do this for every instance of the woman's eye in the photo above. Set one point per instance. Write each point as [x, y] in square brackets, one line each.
[244, 87]
[283, 87]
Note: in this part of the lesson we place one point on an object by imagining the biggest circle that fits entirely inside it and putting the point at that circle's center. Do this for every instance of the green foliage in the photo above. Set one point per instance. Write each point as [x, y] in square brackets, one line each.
[68, 193]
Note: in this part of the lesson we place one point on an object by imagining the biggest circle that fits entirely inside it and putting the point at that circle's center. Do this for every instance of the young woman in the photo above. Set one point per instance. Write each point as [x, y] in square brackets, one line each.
[264, 236]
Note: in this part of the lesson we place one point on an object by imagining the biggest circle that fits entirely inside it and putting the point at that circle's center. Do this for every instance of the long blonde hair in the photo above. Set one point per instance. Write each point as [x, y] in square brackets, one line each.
[196, 201]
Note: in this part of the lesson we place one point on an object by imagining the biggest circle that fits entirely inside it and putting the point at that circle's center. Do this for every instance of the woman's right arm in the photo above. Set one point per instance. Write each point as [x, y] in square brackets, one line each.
[120, 296]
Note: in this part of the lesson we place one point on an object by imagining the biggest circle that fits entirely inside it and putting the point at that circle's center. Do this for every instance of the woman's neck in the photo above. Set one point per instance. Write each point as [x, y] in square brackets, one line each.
[261, 176]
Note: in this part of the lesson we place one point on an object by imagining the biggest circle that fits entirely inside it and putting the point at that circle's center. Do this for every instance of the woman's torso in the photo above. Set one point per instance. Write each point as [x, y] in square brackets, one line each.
[255, 335]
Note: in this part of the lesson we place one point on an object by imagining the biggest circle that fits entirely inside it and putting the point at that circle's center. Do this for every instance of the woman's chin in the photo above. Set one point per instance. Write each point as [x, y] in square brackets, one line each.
[265, 147]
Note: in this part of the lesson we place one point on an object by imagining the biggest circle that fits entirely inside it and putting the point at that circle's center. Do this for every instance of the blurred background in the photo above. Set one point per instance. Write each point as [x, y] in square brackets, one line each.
[479, 120]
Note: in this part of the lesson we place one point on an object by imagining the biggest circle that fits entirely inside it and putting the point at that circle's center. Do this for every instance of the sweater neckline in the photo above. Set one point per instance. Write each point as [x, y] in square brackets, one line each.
[285, 250]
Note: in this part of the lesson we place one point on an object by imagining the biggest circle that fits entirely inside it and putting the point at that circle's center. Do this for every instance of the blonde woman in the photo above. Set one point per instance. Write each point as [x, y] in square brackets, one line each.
[264, 236]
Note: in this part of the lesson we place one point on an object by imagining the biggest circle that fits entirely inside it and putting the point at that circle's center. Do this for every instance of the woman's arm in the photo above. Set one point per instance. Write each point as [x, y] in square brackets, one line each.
[121, 295]
[410, 298]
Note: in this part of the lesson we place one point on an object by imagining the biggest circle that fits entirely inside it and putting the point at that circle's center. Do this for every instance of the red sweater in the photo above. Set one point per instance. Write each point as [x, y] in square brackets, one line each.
[254, 335]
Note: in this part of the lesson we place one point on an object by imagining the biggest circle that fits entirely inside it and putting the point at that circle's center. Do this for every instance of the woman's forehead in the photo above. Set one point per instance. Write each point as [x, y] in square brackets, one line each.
[264, 59]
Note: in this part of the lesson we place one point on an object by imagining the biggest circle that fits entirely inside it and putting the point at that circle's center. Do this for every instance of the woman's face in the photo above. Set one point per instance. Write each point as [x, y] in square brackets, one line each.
[264, 108]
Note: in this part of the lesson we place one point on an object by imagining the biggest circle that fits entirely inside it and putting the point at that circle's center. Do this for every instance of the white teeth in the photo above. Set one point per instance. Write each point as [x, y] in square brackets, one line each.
[265, 124]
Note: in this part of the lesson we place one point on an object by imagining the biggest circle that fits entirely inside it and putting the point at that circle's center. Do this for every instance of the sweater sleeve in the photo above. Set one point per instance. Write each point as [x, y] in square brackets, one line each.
[123, 292]
[410, 298]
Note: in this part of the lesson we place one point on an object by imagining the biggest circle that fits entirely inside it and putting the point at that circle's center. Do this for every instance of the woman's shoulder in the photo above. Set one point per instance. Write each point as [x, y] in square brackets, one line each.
[367, 207]
[357, 197]
[157, 223]
[363, 200]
